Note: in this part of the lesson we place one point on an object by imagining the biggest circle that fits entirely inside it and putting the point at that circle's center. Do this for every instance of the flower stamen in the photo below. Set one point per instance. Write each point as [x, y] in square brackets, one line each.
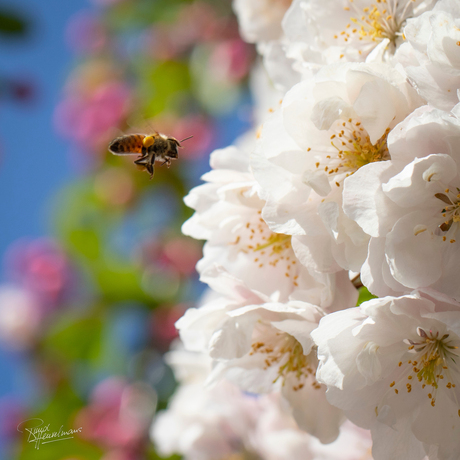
[287, 353]
[435, 355]
[381, 20]
[354, 149]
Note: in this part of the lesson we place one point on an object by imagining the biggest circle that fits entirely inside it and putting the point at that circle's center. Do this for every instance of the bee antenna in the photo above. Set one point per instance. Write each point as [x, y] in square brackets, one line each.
[186, 138]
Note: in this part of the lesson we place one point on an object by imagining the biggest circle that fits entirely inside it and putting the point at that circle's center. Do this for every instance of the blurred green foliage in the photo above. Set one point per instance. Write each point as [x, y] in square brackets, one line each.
[12, 23]
[115, 225]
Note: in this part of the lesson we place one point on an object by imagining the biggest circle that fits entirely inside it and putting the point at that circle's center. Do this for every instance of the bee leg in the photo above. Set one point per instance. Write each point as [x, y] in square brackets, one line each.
[150, 169]
[151, 165]
[147, 161]
[143, 158]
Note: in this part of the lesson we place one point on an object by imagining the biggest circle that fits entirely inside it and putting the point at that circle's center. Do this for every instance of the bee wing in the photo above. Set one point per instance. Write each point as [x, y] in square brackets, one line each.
[138, 123]
[123, 153]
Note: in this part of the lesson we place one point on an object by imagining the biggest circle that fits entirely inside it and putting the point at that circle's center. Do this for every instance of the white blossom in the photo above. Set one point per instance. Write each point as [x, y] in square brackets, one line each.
[267, 348]
[409, 207]
[266, 98]
[207, 424]
[321, 32]
[430, 54]
[353, 443]
[227, 293]
[222, 422]
[263, 347]
[353, 168]
[260, 20]
[326, 129]
[392, 366]
[228, 215]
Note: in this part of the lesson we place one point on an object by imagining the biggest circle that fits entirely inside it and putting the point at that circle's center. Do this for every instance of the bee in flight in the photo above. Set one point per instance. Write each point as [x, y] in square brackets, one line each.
[152, 147]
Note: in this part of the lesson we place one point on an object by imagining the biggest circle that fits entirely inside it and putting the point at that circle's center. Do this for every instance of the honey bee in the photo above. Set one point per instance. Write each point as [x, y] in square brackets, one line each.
[151, 147]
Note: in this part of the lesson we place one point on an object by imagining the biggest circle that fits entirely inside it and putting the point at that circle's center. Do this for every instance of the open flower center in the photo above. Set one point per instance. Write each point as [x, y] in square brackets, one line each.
[266, 248]
[451, 210]
[354, 149]
[285, 352]
[432, 364]
[376, 21]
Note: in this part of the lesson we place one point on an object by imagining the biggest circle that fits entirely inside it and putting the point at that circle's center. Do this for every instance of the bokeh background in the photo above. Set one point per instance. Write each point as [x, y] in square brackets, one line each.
[95, 270]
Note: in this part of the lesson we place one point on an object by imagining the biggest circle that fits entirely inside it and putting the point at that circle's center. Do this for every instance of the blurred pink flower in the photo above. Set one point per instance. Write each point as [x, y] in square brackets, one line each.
[107, 2]
[196, 22]
[20, 317]
[163, 327]
[202, 132]
[162, 44]
[120, 454]
[118, 415]
[179, 254]
[12, 412]
[85, 33]
[42, 268]
[183, 253]
[231, 60]
[203, 21]
[22, 89]
[89, 118]
[114, 454]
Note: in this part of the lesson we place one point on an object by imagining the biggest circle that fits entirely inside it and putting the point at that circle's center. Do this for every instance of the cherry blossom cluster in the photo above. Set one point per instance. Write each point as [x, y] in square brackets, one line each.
[351, 177]
[223, 422]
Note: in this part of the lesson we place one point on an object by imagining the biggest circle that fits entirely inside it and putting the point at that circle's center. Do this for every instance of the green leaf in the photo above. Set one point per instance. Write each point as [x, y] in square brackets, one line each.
[120, 281]
[161, 84]
[364, 295]
[75, 338]
[85, 242]
[152, 455]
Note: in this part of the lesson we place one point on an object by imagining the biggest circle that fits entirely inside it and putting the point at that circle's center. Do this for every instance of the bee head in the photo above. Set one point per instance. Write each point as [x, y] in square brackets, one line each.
[172, 151]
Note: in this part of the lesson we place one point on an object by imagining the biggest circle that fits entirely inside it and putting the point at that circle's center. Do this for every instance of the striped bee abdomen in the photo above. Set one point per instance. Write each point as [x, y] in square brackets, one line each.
[131, 143]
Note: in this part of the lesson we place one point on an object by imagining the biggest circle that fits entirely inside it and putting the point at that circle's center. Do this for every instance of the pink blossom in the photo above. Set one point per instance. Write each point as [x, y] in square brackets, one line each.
[118, 414]
[178, 255]
[85, 33]
[88, 118]
[230, 60]
[183, 254]
[163, 327]
[42, 268]
[196, 23]
[20, 317]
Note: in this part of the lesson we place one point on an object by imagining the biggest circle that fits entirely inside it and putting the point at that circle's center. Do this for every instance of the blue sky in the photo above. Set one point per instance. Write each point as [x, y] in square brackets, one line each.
[33, 159]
